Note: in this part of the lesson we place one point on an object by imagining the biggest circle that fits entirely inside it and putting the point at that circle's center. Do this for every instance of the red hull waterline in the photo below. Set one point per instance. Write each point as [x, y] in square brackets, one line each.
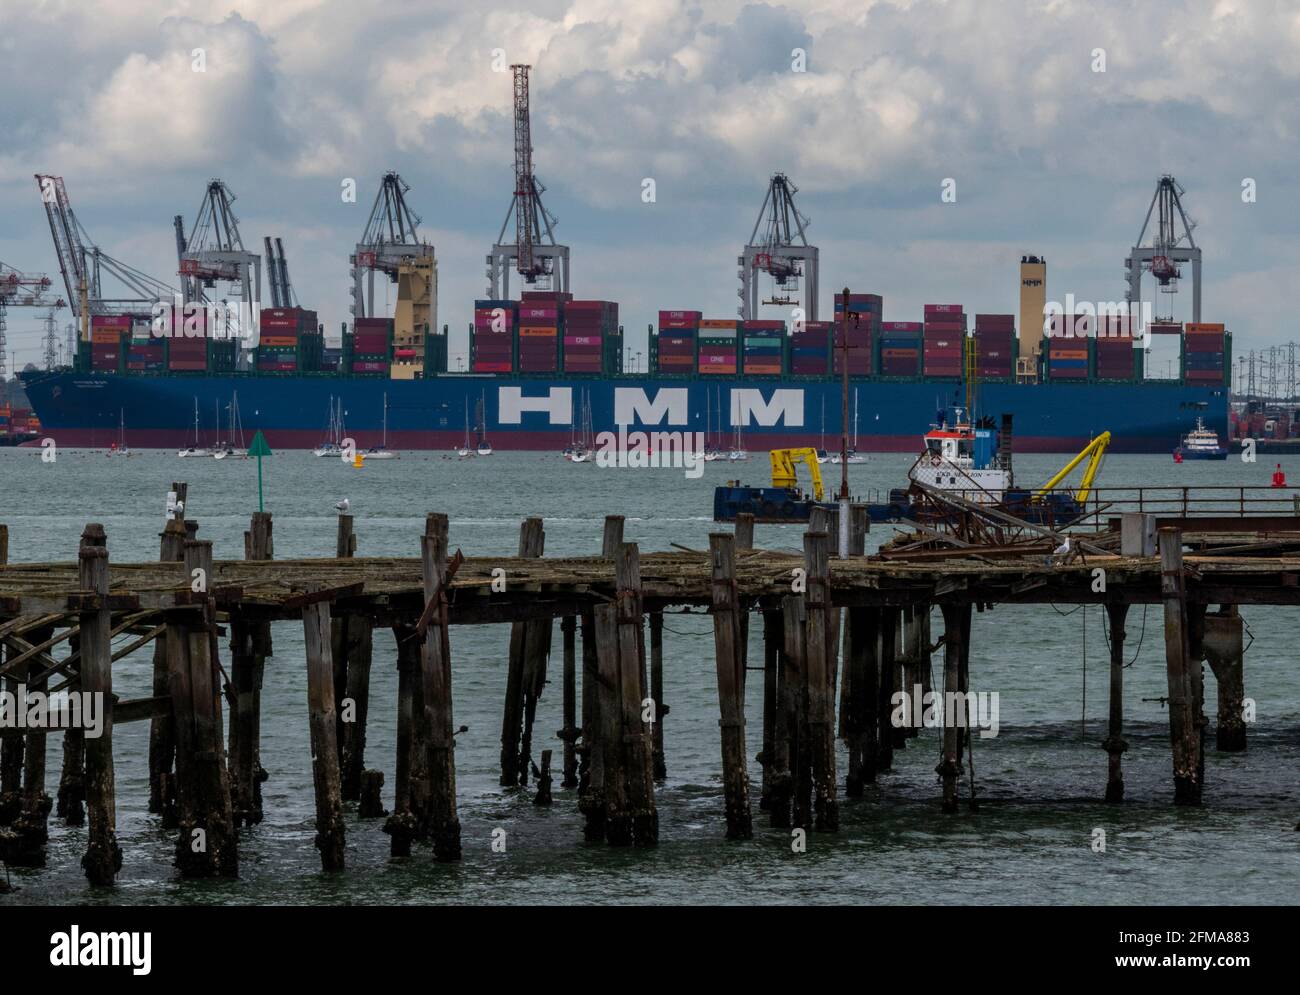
[524, 441]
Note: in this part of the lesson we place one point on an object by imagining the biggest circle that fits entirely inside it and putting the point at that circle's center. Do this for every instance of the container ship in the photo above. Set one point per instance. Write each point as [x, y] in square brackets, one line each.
[548, 366]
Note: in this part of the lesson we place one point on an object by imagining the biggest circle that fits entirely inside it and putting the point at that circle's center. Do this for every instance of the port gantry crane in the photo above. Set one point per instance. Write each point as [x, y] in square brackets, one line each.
[1171, 244]
[277, 274]
[783, 253]
[85, 265]
[214, 252]
[536, 256]
[391, 245]
[19, 289]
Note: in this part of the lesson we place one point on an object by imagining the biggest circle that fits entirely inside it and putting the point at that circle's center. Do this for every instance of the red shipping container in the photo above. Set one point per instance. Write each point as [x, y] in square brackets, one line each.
[486, 367]
[901, 326]
[942, 309]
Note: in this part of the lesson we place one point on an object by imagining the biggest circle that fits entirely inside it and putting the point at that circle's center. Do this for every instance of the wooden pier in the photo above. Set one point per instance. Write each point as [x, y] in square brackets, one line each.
[850, 626]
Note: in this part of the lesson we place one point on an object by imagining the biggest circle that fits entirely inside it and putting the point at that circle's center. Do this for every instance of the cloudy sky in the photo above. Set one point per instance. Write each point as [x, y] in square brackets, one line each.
[1048, 155]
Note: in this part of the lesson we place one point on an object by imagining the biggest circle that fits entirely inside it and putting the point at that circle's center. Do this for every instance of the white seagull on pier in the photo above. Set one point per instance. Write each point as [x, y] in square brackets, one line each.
[342, 506]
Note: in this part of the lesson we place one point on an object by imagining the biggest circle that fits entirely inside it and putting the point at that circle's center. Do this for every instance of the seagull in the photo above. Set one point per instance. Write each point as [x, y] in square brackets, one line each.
[180, 506]
[342, 506]
[1062, 549]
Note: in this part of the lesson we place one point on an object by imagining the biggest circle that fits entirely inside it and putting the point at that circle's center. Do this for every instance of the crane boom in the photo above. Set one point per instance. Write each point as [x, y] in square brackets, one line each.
[784, 470]
[1093, 452]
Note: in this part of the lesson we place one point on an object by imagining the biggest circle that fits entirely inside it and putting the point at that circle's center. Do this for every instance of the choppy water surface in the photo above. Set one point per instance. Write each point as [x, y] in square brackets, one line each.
[1039, 780]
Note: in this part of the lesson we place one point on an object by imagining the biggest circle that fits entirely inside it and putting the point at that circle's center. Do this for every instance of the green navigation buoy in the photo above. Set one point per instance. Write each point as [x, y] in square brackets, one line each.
[259, 448]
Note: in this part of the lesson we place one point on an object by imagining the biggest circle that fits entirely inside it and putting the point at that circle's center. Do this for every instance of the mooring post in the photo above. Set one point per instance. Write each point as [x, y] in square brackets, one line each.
[638, 752]
[591, 770]
[26, 848]
[371, 805]
[949, 767]
[657, 693]
[568, 735]
[162, 739]
[103, 857]
[1183, 732]
[514, 771]
[207, 844]
[401, 825]
[249, 646]
[791, 798]
[1223, 650]
[435, 663]
[1196, 680]
[731, 704]
[744, 530]
[1114, 744]
[345, 545]
[821, 716]
[321, 716]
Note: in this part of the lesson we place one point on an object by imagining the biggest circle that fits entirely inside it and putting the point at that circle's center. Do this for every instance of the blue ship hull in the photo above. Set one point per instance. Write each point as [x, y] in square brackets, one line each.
[84, 409]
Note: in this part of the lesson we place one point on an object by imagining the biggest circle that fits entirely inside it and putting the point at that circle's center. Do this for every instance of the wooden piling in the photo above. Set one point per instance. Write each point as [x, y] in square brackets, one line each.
[207, 843]
[1223, 651]
[771, 681]
[633, 694]
[25, 846]
[103, 858]
[351, 647]
[1114, 744]
[543, 775]
[162, 738]
[401, 826]
[1183, 733]
[820, 649]
[514, 770]
[435, 674]
[731, 684]
[955, 621]
[250, 645]
[321, 716]
[591, 772]
[568, 735]
[371, 805]
[608, 738]
[863, 636]
[793, 696]
[887, 686]
[657, 693]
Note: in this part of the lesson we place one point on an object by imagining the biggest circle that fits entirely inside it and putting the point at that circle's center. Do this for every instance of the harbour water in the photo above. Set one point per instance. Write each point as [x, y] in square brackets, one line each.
[1039, 781]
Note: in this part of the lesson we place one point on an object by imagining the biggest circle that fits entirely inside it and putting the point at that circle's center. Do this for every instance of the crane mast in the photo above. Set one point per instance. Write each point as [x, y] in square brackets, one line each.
[1171, 243]
[782, 252]
[534, 253]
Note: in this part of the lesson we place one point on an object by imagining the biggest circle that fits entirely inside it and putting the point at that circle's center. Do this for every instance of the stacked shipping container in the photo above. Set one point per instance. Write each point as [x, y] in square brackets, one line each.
[590, 336]
[108, 333]
[945, 334]
[763, 348]
[1203, 353]
[372, 345]
[810, 349]
[1068, 346]
[863, 327]
[900, 348]
[288, 341]
[539, 335]
[677, 343]
[719, 343]
[995, 346]
[1114, 356]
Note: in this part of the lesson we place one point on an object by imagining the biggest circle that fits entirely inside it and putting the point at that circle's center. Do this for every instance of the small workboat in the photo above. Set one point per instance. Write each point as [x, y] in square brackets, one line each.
[1200, 443]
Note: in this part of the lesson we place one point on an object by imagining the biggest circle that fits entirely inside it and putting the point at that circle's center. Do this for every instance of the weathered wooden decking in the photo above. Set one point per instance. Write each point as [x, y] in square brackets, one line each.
[855, 626]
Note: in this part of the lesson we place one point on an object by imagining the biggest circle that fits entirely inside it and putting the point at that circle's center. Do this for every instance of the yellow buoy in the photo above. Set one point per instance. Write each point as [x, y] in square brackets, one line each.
[357, 461]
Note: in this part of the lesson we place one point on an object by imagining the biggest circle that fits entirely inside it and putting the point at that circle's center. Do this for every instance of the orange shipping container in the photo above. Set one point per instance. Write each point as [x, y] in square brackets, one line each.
[534, 330]
[719, 323]
[106, 336]
[1203, 327]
